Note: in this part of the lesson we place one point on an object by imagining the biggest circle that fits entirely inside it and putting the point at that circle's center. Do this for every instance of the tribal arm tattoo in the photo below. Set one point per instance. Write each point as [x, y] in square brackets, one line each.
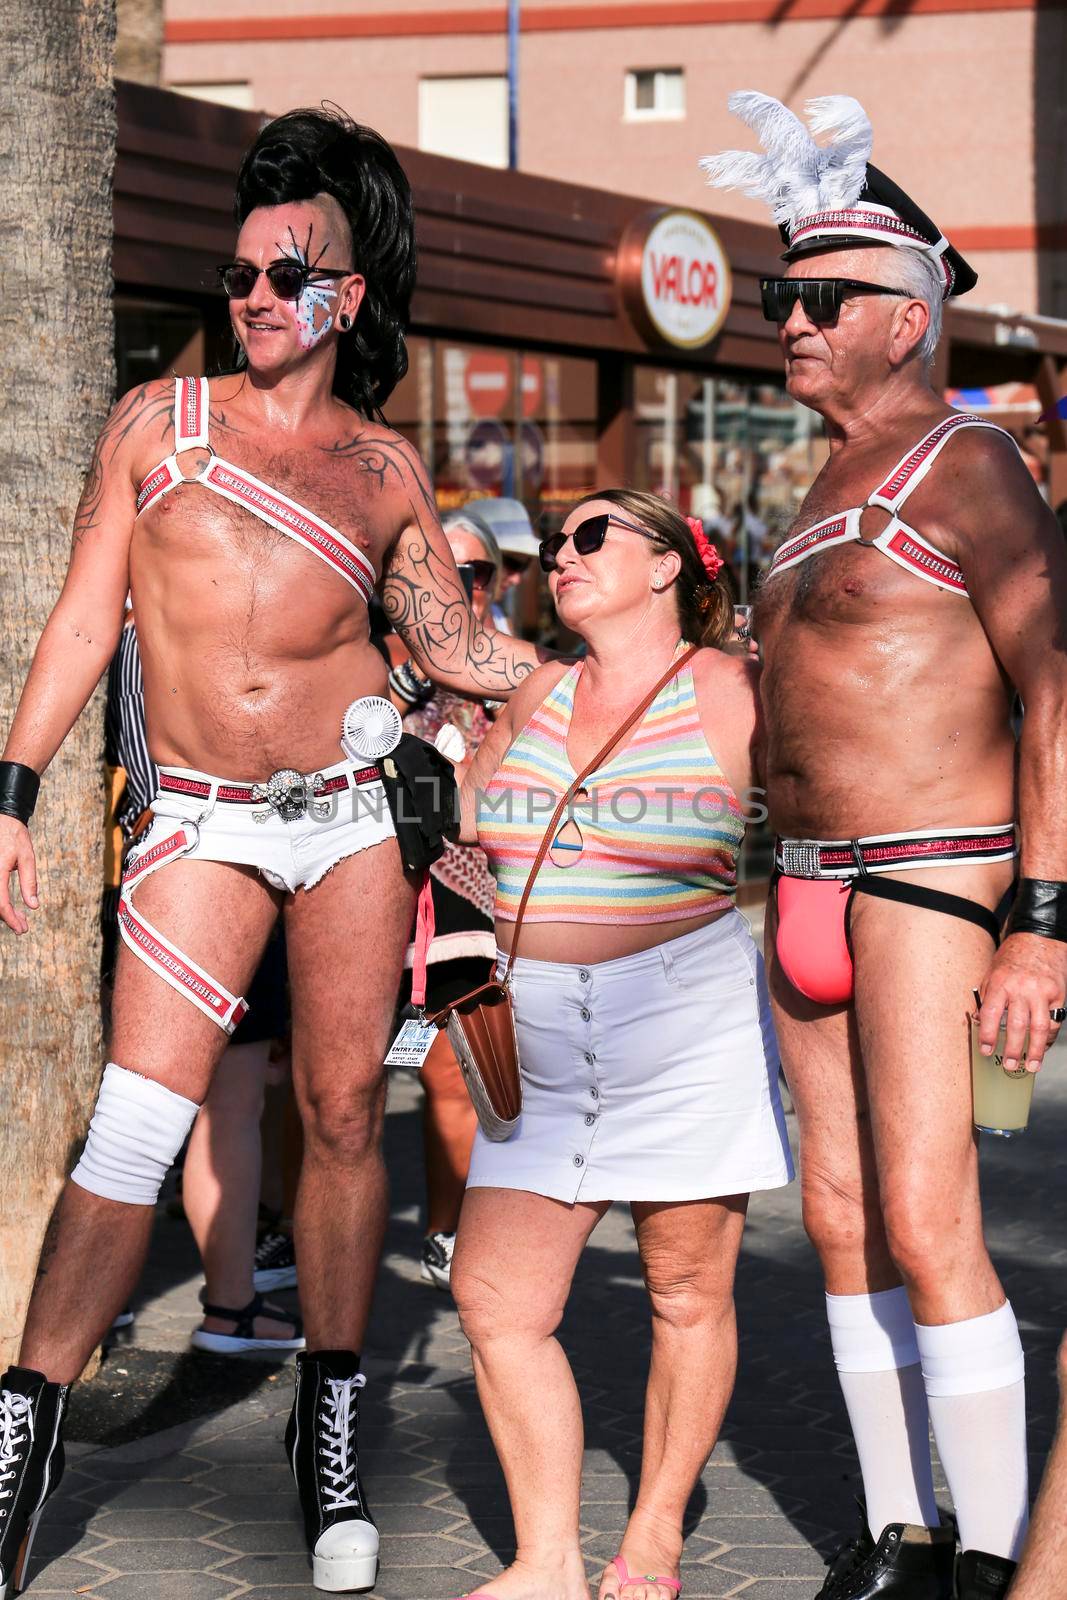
[423, 597]
[145, 407]
[426, 604]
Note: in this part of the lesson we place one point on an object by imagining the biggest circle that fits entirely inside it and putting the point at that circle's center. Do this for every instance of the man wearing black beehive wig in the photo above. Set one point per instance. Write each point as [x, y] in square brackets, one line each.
[253, 516]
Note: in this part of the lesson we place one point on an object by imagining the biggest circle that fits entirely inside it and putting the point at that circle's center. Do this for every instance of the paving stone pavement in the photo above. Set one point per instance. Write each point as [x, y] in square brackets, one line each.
[205, 1510]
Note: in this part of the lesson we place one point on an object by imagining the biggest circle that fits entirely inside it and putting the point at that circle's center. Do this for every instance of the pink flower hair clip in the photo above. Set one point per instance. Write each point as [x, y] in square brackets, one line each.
[710, 558]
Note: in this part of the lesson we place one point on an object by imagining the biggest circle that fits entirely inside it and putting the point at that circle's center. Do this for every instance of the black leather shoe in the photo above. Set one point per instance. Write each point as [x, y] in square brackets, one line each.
[907, 1563]
[982, 1577]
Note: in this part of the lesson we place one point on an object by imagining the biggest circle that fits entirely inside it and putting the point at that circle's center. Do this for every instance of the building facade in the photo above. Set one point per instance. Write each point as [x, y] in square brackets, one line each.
[966, 96]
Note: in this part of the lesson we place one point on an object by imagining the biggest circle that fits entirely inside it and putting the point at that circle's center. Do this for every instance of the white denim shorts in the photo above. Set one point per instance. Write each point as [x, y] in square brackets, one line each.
[651, 1077]
[293, 854]
[197, 817]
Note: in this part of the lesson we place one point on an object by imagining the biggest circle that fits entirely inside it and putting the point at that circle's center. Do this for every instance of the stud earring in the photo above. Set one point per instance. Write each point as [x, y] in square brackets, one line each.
[344, 322]
[657, 583]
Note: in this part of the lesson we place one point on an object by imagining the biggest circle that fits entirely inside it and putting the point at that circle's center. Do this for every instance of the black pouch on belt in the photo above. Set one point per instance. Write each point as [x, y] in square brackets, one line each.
[420, 786]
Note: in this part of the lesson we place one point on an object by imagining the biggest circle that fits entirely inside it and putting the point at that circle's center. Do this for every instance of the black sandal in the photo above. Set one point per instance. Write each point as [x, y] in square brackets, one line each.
[243, 1336]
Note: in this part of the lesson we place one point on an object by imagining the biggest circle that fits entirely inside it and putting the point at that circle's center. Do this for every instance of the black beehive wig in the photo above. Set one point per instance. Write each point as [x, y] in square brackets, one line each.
[305, 153]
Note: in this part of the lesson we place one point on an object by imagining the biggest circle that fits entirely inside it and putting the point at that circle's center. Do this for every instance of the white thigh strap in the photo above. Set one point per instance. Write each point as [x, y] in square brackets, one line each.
[157, 952]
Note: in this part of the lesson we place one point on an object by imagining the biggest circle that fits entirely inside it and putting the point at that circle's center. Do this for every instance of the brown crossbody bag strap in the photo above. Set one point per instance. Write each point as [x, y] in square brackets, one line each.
[620, 732]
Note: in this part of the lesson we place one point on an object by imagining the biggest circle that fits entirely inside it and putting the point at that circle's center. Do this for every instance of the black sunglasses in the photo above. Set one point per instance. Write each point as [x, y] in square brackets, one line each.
[588, 536]
[286, 278]
[820, 298]
[482, 572]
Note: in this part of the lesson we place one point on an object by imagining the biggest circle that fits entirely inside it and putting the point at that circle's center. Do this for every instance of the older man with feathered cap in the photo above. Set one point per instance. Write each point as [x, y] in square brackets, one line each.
[923, 585]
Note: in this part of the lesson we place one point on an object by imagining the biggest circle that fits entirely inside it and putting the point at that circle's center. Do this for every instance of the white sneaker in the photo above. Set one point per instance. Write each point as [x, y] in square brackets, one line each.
[437, 1251]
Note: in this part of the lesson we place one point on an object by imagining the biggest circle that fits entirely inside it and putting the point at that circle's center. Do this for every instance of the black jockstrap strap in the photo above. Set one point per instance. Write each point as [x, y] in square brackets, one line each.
[953, 905]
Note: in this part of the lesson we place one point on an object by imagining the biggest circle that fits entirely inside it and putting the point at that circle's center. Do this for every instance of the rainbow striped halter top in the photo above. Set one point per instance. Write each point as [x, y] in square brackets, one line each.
[660, 830]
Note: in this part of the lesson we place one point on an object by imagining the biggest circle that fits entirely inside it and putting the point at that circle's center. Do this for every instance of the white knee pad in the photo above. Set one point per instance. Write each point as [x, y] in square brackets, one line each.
[138, 1128]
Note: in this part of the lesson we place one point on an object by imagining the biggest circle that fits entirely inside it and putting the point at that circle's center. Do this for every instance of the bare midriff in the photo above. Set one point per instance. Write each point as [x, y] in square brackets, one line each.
[586, 943]
[885, 706]
[252, 647]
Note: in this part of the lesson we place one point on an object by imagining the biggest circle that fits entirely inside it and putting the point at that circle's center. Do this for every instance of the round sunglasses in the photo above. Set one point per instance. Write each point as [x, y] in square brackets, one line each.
[588, 537]
[820, 298]
[287, 279]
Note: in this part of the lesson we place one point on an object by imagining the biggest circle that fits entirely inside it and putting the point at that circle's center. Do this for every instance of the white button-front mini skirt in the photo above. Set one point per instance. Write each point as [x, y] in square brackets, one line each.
[652, 1077]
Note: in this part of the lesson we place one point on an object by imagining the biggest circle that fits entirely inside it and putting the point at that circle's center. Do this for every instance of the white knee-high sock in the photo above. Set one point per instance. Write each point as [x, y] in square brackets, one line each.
[877, 1359]
[973, 1372]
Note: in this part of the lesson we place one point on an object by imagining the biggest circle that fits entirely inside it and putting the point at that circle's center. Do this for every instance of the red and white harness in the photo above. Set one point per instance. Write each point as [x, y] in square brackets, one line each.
[179, 838]
[173, 966]
[897, 540]
[191, 408]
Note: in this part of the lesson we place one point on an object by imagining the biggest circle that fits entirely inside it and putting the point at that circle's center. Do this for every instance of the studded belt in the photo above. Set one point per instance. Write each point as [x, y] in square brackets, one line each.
[286, 794]
[849, 858]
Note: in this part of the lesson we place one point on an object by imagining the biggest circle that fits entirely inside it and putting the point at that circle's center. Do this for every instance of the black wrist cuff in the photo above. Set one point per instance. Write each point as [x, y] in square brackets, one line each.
[1040, 907]
[19, 788]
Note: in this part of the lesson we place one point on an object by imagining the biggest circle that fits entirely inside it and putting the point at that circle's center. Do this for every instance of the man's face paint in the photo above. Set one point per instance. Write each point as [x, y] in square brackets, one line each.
[314, 316]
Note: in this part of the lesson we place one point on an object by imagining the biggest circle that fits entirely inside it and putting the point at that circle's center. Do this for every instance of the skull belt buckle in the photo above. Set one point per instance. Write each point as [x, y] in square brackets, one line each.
[286, 794]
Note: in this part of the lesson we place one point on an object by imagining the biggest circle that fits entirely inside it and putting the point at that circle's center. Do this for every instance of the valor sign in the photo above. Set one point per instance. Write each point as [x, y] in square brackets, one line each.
[675, 278]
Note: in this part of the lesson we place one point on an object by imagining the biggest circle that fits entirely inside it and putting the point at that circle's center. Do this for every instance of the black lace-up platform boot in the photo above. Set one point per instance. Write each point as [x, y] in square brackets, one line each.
[31, 1464]
[982, 1577]
[905, 1563]
[320, 1441]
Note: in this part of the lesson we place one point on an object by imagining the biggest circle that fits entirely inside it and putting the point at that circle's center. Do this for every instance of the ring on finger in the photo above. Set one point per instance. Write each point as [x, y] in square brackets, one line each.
[1058, 1013]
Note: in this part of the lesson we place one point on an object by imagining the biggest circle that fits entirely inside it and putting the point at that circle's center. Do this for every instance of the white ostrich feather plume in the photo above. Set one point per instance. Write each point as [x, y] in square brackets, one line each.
[794, 176]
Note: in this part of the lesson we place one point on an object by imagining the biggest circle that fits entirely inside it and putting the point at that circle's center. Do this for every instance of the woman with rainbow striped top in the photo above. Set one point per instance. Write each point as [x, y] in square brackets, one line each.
[648, 1059]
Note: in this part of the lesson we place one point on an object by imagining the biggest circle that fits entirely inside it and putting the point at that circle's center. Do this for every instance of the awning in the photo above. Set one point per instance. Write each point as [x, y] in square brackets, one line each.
[997, 398]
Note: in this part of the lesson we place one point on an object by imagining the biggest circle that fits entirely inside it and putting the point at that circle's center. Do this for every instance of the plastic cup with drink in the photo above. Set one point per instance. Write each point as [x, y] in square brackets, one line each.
[1001, 1098]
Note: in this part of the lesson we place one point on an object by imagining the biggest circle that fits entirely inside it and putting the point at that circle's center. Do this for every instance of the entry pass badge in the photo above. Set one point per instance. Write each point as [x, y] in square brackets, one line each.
[412, 1044]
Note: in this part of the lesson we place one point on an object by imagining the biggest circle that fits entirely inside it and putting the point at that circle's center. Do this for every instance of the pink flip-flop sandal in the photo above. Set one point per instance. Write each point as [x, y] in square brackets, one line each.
[626, 1578]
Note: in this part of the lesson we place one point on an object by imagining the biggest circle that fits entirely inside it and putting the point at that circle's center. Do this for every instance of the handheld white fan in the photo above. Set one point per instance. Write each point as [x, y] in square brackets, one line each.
[371, 729]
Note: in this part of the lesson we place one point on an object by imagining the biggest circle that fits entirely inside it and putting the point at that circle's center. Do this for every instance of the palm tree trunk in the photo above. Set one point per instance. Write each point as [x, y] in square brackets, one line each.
[57, 155]
[139, 47]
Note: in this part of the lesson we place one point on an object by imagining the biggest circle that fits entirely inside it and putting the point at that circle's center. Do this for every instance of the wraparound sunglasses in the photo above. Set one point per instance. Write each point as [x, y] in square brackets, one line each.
[482, 572]
[287, 279]
[588, 537]
[821, 298]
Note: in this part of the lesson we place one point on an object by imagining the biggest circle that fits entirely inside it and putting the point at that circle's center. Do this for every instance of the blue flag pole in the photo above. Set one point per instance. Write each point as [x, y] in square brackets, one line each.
[513, 84]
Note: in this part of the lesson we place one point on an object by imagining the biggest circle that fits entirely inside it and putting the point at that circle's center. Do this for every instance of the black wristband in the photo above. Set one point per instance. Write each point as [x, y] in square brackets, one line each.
[19, 788]
[1040, 907]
